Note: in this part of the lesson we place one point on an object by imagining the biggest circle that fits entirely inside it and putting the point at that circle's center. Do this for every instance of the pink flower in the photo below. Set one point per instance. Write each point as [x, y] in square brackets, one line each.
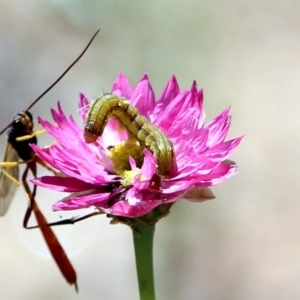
[95, 175]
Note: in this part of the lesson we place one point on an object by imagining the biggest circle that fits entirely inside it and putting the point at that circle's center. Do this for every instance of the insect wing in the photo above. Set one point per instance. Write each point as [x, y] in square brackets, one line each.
[7, 187]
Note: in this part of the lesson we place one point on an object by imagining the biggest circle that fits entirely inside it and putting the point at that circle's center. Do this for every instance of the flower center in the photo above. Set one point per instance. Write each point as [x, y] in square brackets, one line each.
[119, 155]
[128, 177]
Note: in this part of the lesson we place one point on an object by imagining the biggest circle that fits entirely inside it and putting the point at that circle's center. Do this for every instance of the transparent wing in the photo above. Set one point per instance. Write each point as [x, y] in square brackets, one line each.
[7, 187]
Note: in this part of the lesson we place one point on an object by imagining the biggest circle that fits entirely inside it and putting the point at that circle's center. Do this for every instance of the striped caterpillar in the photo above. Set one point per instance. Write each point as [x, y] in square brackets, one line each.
[109, 105]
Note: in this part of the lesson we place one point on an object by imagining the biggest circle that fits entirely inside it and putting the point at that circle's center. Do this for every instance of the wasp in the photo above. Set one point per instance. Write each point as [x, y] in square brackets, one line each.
[20, 135]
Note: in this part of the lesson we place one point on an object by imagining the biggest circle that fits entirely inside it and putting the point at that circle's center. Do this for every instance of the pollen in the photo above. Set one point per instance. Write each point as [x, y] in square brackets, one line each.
[128, 177]
[120, 153]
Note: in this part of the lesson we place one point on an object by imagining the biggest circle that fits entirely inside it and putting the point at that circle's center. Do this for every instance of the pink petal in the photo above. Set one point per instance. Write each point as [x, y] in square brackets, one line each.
[201, 153]
[143, 97]
[149, 165]
[121, 87]
[218, 128]
[219, 175]
[62, 184]
[125, 210]
[224, 150]
[80, 200]
[170, 91]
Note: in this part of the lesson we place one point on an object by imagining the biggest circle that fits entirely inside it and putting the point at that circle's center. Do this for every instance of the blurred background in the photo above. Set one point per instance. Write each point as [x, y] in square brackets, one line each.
[245, 54]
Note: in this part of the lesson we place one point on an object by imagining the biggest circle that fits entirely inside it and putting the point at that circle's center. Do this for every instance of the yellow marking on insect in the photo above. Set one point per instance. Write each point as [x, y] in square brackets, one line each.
[16, 182]
[10, 164]
[109, 105]
[30, 136]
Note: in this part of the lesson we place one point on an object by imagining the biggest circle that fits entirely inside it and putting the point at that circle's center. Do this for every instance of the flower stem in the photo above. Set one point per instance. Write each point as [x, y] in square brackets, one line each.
[143, 246]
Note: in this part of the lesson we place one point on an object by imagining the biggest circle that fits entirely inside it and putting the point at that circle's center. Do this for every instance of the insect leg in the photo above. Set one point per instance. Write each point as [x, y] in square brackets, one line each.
[43, 164]
[33, 134]
[51, 240]
[11, 164]
[70, 221]
[14, 180]
[30, 136]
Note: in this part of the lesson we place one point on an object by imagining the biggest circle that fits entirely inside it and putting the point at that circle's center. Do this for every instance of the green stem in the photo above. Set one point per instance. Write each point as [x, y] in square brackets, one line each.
[143, 246]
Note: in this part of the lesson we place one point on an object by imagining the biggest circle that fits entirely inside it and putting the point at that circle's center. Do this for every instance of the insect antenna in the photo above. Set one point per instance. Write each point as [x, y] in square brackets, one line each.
[57, 80]
[19, 136]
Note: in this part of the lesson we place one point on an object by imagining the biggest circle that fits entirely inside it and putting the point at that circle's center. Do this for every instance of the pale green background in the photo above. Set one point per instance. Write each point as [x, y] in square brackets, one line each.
[245, 245]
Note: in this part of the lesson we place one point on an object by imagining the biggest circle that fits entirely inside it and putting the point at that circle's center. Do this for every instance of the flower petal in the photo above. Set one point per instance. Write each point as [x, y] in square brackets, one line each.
[82, 200]
[201, 153]
[121, 87]
[62, 184]
[143, 97]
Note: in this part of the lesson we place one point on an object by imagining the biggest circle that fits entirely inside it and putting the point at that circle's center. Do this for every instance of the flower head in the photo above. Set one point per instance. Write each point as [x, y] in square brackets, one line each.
[119, 173]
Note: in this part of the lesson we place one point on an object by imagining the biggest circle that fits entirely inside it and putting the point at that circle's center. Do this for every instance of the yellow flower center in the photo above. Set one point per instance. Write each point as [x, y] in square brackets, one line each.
[119, 155]
[128, 176]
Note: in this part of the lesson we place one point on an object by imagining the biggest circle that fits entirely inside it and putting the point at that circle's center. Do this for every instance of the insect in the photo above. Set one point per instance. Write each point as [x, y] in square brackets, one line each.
[109, 105]
[20, 135]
